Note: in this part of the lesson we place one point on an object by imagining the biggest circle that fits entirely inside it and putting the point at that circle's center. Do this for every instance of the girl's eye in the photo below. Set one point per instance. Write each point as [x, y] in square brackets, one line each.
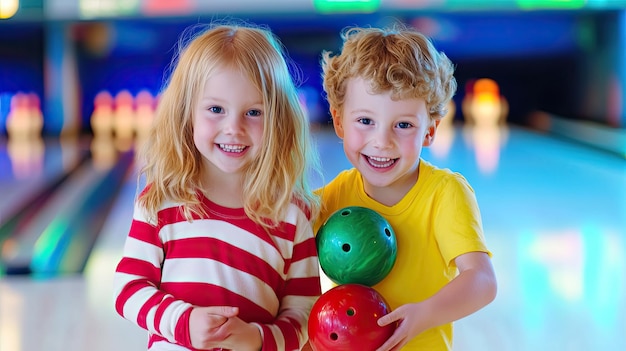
[365, 121]
[254, 113]
[404, 125]
[216, 109]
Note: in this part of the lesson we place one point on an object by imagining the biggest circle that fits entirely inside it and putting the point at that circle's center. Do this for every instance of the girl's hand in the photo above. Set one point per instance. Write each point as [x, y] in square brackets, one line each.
[219, 327]
[205, 325]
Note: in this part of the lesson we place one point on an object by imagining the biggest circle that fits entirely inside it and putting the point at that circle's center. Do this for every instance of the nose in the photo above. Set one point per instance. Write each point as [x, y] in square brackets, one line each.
[233, 125]
[383, 139]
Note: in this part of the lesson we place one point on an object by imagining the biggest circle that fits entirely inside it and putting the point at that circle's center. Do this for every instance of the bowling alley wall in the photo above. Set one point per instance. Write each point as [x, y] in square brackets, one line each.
[548, 59]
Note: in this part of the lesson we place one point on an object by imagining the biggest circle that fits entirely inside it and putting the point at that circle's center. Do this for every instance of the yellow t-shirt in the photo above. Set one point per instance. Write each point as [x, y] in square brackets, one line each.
[436, 221]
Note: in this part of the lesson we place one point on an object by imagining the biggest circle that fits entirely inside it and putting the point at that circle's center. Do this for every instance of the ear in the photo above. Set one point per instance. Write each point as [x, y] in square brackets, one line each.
[429, 138]
[337, 123]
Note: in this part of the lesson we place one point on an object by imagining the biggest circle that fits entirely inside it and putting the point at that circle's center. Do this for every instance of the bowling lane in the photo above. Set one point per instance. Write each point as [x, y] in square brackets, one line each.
[73, 311]
[554, 214]
[30, 165]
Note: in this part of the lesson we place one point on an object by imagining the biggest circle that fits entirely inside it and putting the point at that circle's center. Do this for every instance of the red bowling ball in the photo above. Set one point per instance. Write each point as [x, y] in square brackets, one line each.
[344, 319]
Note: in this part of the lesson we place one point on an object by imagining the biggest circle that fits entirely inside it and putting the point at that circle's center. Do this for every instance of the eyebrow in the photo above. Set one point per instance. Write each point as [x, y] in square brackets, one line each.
[213, 98]
[369, 112]
[360, 110]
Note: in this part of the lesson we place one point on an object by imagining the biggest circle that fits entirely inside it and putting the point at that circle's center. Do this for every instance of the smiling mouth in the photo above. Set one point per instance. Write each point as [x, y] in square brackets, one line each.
[232, 148]
[380, 162]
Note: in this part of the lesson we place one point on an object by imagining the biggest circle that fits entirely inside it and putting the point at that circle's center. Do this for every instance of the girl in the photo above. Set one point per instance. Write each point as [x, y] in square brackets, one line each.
[221, 253]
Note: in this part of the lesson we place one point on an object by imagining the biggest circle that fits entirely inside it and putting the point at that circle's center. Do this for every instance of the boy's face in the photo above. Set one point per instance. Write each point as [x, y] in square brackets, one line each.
[383, 138]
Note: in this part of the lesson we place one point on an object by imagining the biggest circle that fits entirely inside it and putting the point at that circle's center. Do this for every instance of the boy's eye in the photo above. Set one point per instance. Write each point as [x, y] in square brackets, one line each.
[365, 121]
[404, 125]
[216, 109]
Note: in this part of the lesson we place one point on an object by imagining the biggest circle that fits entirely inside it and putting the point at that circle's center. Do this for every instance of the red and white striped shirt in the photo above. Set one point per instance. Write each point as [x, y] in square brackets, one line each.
[224, 259]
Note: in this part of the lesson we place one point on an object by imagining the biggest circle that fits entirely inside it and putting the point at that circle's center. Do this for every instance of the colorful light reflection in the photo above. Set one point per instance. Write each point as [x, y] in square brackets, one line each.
[334, 6]
[572, 267]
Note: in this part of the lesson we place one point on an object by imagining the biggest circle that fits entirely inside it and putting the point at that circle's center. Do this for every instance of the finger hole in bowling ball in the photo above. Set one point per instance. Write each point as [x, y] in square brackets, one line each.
[345, 212]
[345, 247]
[350, 312]
[388, 232]
[334, 336]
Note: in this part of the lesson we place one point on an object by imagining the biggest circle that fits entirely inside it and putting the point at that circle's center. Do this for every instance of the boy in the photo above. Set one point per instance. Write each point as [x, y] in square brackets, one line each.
[387, 92]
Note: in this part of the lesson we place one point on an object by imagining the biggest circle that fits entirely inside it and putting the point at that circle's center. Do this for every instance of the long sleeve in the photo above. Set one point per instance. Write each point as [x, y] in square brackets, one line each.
[137, 281]
[222, 259]
[302, 288]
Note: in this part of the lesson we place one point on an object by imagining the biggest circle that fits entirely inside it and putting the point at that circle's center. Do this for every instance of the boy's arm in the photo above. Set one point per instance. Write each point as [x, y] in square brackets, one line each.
[471, 290]
[474, 288]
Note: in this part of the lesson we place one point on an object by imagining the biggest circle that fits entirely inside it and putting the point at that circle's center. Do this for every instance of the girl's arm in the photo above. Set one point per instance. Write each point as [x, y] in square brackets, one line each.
[302, 288]
[136, 281]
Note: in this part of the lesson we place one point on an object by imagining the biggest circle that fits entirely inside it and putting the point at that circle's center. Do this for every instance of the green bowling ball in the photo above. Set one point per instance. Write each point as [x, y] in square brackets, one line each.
[356, 245]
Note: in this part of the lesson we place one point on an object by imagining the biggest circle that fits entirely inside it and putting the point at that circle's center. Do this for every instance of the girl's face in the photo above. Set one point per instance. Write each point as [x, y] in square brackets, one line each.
[228, 122]
[383, 138]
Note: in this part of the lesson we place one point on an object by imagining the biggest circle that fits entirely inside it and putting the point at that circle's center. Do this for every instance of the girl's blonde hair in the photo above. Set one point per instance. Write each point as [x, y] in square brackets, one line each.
[397, 59]
[278, 176]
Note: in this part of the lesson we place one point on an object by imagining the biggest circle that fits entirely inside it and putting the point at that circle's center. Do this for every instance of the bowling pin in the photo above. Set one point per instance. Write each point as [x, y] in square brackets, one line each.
[124, 120]
[144, 115]
[102, 116]
[18, 120]
[483, 104]
[25, 146]
[35, 115]
[102, 145]
[486, 111]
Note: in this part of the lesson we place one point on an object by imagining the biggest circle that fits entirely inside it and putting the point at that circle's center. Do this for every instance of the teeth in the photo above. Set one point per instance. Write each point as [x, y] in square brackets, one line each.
[380, 162]
[232, 148]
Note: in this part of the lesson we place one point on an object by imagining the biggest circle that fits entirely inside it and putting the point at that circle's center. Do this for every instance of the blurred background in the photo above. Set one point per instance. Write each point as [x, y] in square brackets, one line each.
[538, 126]
[563, 57]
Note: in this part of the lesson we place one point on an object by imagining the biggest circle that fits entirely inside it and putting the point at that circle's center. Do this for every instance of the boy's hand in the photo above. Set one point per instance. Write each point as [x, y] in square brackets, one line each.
[409, 325]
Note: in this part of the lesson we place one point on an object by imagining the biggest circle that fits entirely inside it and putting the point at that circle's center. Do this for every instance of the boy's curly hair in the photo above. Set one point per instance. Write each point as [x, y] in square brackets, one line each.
[397, 59]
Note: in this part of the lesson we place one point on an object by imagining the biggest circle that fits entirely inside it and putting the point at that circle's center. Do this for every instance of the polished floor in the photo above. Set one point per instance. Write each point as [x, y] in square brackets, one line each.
[554, 214]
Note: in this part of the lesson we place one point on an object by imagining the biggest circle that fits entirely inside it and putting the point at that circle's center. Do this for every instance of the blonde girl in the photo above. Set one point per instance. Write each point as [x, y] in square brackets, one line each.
[220, 253]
